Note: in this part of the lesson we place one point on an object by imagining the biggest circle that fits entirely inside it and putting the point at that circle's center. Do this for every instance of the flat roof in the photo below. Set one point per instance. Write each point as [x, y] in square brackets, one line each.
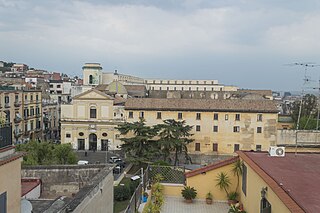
[294, 178]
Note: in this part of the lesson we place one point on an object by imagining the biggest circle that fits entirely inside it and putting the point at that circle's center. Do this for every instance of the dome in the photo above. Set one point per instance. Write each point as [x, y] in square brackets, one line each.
[117, 88]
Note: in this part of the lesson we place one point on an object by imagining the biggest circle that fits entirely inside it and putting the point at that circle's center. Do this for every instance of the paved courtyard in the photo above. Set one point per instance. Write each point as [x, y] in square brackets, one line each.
[177, 205]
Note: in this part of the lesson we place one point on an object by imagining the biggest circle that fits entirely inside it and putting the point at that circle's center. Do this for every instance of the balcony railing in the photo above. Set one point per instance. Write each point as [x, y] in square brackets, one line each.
[17, 104]
[17, 119]
[7, 105]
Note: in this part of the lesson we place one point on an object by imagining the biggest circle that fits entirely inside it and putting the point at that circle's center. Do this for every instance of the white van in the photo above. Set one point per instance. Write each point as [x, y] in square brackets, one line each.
[83, 162]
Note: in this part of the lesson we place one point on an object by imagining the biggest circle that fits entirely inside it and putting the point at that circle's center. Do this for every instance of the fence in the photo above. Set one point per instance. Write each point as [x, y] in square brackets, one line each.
[170, 174]
[135, 200]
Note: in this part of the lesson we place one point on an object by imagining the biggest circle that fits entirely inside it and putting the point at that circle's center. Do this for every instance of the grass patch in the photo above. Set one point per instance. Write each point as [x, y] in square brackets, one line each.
[120, 206]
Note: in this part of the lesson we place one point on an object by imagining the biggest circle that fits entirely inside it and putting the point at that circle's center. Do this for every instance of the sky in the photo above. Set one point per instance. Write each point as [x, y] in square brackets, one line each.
[244, 43]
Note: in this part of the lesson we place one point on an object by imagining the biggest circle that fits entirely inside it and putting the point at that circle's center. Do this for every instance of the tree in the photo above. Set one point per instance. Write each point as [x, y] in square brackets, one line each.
[237, 170]
[140, 147]
[308, 115]
[174, 136]
[45, 153]
[223, 181]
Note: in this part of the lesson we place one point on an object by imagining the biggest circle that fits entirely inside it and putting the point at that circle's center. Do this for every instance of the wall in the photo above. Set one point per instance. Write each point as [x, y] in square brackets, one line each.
[205, 183]
[61, 180]
[172, 189]
[247, 138]
[288, 137]
[100, 198]
[251, 201]
[11, 183]
[34, 193]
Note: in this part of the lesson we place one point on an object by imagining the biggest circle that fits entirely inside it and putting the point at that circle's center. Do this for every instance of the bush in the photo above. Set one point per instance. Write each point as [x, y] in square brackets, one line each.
[121, 193]
[133, 186]
[189, 193]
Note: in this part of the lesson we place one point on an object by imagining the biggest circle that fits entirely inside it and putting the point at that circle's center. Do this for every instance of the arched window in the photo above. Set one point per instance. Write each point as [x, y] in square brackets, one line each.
[90, 79]
[93, 112]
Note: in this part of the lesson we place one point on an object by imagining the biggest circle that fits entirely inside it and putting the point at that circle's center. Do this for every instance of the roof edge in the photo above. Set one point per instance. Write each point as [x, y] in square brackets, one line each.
[287, 200]
[211, 167]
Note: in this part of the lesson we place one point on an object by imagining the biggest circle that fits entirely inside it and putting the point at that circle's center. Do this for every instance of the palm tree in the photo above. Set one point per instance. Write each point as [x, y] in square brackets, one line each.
[223, 181]
[237, 170]
[174, 136]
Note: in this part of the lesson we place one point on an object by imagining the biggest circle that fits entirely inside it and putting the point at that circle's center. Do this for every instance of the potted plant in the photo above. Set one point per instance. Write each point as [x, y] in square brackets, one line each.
[209, 198]
[236, 209]
[144, 197]
[232, 198]
[189, 193]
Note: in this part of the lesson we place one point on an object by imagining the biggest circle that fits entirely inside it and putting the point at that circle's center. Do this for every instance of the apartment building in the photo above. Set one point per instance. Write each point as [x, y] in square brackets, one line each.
[89, 121]
[51, 120]
[219, 126]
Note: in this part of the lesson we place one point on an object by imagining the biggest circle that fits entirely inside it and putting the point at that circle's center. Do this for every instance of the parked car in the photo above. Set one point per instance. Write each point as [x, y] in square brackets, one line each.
[83, 162]
[113, 158]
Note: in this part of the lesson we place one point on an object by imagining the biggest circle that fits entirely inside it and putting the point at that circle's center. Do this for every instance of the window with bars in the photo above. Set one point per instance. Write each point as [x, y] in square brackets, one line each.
[259, 129]
[237, 117]
[158, 115]
[197, 147]
[179, 115]
[198, 128]
[215, 147]
[215, 128]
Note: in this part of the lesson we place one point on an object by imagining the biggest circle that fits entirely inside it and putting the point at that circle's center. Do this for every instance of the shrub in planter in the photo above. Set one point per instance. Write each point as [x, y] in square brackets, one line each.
[121, 193]
[189, 193]
[232, 198]
[209, 198]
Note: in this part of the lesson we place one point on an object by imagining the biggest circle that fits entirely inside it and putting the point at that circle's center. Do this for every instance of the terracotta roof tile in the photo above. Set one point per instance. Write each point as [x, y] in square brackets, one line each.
[235, 105]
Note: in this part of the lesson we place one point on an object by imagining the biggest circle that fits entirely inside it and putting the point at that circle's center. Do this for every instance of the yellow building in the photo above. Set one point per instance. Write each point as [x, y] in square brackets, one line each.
[220, 126]
[23, 109]
[268, 184]
[89, 122]
[10, 176]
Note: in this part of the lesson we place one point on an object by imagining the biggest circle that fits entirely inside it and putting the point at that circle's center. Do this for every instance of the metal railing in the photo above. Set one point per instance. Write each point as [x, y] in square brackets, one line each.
[135, 200]
[170, 174]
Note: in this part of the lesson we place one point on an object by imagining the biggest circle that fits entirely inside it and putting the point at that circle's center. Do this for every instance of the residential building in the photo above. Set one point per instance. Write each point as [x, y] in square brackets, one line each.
[187, 85]
[51, 120]
[60, 91]
[267, 184]
[19, 68]
[89, 121]
[219, 126]
[10, 172]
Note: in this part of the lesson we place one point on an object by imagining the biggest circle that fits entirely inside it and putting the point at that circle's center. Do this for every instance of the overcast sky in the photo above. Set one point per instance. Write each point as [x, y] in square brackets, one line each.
[241, 42]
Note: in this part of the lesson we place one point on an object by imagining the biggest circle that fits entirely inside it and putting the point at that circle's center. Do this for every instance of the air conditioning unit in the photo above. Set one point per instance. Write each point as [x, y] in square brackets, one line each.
[275, 151]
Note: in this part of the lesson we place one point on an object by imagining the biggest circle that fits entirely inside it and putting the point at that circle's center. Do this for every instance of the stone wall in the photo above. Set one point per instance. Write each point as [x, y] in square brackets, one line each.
[61, 180]
[304, 137]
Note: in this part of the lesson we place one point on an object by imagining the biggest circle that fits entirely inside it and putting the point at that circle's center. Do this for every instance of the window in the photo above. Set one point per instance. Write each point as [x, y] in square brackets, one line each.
[3, 202]
[244, 179]
[175, 88]
[130, 114]
[26, 97]
[93, 112]
[215, 147]
[259, 129]
[90, 79]
[236, 147]
[236, 129]
[6, 99]
[81, 134]
[158, 115]
[180, 115]
[80, 144]
[141, 114]
[265, 206]
[16, 98]
[215, 128]
[58, 86]
[104, 134]
[31, 124]
[198, 128]
[31, 97]
[167, 88]
[114, 114]
[237, 117]
[37, 97]
[51, 85]
[258, 148]
[197, 148]
[259, 117]
[68, 135]
[215, 116]
[198, 116]
[226, 117]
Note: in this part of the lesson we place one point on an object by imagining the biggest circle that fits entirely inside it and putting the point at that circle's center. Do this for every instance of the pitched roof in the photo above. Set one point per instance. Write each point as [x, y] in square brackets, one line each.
[211, 167]
[294, 178]
[235, 105]
[93, 90]
[28, 184]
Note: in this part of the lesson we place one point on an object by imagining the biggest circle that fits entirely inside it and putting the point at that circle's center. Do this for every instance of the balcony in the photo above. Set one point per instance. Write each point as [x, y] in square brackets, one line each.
[38, 115]
[17, 104]
[38, 129]
[46, 119]
[17, 119]
[17, 133]
[7, 105]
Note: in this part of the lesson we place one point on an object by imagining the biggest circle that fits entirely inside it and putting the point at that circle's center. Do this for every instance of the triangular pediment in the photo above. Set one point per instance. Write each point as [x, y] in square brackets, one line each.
[93, 94]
